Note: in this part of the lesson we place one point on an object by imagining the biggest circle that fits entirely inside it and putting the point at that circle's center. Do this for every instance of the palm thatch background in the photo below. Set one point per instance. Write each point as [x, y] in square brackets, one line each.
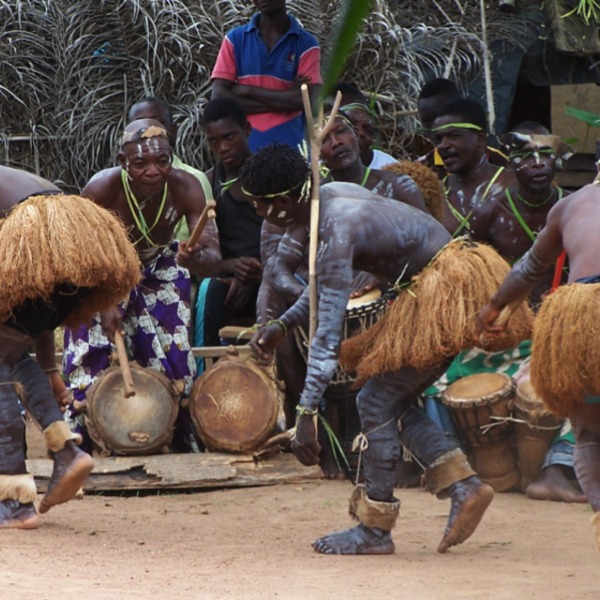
[70, 69]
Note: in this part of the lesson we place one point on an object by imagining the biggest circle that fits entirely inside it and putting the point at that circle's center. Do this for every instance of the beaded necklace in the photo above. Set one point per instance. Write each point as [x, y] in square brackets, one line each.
[136, 211]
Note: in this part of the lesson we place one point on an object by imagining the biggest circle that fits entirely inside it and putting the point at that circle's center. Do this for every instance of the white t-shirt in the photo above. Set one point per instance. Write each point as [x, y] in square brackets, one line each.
[381, 159]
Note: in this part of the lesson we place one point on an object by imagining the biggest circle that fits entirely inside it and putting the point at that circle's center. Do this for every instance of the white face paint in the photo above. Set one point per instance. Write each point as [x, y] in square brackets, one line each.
[282, 214]
[269, 210]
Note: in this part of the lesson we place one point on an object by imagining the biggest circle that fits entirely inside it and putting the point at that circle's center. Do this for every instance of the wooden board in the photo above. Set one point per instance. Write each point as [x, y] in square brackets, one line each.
[183, 471]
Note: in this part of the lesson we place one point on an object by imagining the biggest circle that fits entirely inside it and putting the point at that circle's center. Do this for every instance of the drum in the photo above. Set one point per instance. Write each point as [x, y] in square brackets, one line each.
[236, 404]
[480, 409]
[361, 313]
[140, 424]
[535, 428]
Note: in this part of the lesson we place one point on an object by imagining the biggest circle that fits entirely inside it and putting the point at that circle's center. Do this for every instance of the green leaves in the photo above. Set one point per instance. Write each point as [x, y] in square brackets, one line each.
[350, 23]
[590, 118]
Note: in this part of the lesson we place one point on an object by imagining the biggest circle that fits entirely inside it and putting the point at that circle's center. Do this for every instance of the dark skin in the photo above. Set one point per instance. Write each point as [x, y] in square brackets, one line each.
[148, 164]
[228, 141]
[341, 154]
[273, 24]
[365, 131]
[392, 241]
[571, 225]
[15, 185]
[378, 236]
[464, 153]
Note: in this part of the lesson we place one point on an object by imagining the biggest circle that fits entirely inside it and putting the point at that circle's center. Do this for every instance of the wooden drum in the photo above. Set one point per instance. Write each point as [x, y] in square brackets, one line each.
[236, 404]
[480, 409]
[140, 424]
[535, 429]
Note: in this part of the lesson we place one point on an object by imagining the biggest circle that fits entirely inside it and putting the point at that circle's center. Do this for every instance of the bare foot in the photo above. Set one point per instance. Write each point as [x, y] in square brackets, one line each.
[555, 483]
[470, 497]
[71, 468]
[356, 540]
[15, 515]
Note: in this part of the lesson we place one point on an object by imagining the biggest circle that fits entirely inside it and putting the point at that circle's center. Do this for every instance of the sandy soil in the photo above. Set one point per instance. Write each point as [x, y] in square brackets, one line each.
[255, 543]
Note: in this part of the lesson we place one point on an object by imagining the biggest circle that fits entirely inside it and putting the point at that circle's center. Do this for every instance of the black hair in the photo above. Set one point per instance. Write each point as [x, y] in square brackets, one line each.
[272, 169]
[223, 108]
[467, 110]
[163, 105]
[350, 93]
[440, 87]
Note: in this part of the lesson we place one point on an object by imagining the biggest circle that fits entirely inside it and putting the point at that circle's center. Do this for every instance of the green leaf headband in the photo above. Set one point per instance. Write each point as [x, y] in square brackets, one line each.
[303, 191]
[458, 126]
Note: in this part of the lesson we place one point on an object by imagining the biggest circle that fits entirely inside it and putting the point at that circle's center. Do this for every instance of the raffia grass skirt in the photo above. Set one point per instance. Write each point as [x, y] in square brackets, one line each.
[61, 239]
[565, 358]
[436, 316]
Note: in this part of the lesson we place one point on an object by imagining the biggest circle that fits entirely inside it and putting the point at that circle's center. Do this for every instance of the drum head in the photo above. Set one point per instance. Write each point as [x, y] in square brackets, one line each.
[367, 298]
[234, 405]
[481, 388]
[140, 424]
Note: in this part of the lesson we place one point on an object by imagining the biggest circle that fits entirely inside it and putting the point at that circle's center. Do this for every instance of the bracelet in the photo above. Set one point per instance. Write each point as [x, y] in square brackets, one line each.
[51, 370]
[280, 323]
[303, 410]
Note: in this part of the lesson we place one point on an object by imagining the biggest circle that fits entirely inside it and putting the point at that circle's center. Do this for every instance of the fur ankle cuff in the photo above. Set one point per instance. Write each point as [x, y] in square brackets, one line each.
[18, 487]
[58, 434]
[371, 513]
[596, 528]
[446, 470]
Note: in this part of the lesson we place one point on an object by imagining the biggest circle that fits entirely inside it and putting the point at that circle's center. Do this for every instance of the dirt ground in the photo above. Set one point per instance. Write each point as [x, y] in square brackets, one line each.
[254, 543]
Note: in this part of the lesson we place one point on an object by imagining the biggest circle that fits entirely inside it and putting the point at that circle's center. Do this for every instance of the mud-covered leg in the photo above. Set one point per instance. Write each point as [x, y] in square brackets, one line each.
[448, 474]
[586, 425]
[375, 505]
[17, 488]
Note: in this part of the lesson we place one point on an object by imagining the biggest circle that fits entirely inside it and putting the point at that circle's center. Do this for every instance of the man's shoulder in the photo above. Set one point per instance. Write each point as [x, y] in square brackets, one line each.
[304, 35]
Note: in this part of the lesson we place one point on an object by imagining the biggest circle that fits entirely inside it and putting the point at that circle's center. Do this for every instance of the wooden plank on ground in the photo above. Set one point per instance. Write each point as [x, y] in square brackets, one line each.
[183, 471]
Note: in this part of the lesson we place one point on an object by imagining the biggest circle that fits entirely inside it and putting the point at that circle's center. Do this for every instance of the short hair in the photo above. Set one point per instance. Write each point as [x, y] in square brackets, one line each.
[468, 111]
[223, 108]
[163, 106]
[350, 93]
[440, 87]
[530, 127]
[273, 169]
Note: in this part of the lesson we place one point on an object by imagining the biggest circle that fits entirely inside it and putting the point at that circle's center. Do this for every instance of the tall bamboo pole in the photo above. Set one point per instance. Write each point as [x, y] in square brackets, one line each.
[316, 132]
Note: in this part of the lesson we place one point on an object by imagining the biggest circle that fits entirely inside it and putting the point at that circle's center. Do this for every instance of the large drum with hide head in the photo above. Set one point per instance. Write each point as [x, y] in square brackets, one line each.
[137, 425]
[236, 404]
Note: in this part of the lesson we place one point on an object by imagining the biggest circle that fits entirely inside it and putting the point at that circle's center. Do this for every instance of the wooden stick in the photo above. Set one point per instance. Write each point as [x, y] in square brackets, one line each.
[317, 133]
[502, 319]
[207, 213]
[124, 364]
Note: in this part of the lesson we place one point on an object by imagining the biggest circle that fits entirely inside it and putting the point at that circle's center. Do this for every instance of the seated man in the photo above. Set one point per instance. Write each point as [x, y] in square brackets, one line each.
[460, 133]
[434, 95]
[150, 107]
[356, 107]
[149, 197]
[564, 365]
[80, 275]
[232, 293]
[395, 359]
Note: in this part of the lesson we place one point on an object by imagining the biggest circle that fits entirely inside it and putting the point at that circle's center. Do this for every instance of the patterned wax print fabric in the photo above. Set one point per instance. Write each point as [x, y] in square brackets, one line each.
[156, 320]
[475, 361]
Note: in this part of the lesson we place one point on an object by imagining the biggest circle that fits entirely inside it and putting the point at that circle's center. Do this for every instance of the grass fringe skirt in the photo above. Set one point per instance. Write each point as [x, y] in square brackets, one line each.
[436, 316]
[565, 359]
[52, 239]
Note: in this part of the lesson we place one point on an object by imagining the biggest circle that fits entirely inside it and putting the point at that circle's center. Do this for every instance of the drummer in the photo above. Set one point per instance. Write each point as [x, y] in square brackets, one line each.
[150, 197]
[396, 243]
[565, 338]
[30, 322]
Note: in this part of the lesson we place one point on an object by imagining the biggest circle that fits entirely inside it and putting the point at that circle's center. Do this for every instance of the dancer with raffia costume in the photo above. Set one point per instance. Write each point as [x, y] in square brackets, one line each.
[565, 361]
[150, 197]
[63, 259]
[440, 285]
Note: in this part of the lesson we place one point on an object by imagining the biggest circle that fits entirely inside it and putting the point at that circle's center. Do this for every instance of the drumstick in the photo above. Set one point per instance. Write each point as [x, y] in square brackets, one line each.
[502, 319]
[207, 213]
[124, 364]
